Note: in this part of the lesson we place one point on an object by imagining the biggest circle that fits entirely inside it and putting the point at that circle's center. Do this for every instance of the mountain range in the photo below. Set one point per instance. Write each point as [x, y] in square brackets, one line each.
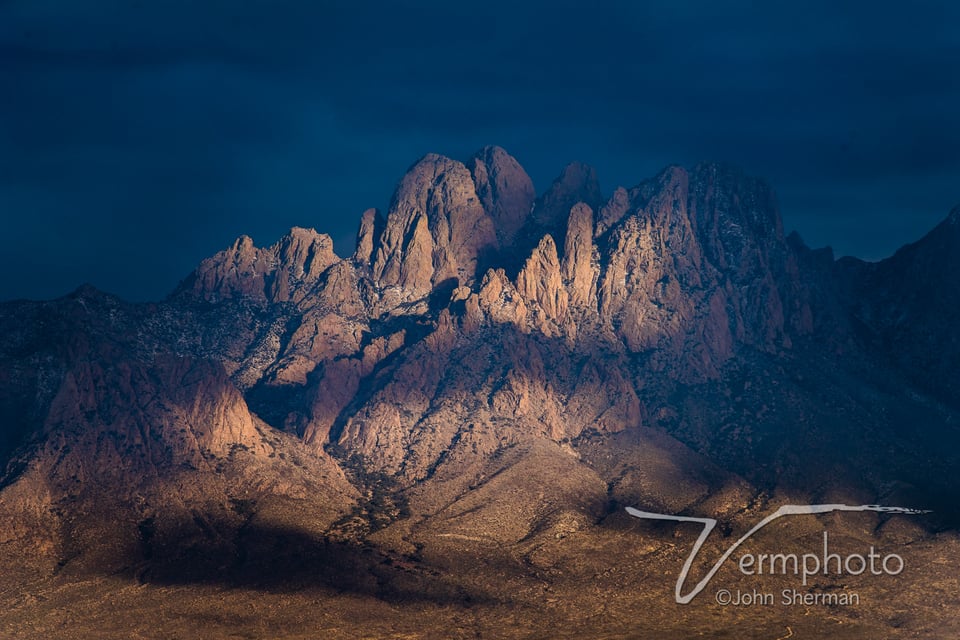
[437, 435]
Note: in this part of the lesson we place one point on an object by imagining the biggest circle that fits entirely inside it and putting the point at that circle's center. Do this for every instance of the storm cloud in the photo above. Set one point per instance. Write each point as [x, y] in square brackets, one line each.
[137, 138]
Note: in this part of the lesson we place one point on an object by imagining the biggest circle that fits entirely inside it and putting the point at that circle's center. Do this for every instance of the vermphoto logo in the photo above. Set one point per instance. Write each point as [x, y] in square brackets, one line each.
[807, 564]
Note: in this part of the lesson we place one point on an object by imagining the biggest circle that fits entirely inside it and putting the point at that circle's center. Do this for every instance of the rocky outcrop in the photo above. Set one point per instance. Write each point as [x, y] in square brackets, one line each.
[146, 418]
[693, 268]
[581, 259]
[576, 183]
[505, 191]
[282, 272]
[614, 210]
[497, 302]
[130, 443]
[435, 232]
[371, 226]
[541, 285]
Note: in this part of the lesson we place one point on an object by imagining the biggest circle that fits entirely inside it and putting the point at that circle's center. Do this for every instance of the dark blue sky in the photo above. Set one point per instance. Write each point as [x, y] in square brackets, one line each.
[137, 138]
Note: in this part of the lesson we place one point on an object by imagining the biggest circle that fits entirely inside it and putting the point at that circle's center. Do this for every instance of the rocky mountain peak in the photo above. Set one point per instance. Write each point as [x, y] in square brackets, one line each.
[613, 210]
[371, 226]
[740, 203]
[679, 250]
[282, 272]
[243, 243]
[436, 230]
[576, 183]
[541, 285]
[910, 301]
[581, 268]
[505, 190]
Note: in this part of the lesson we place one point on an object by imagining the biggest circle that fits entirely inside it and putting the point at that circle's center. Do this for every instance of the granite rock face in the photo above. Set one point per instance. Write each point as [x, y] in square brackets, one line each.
[436, 231]
[505, 191]
[576, 183]
[282, 272]
[695, 262]
[581, 258]
[127, 437]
